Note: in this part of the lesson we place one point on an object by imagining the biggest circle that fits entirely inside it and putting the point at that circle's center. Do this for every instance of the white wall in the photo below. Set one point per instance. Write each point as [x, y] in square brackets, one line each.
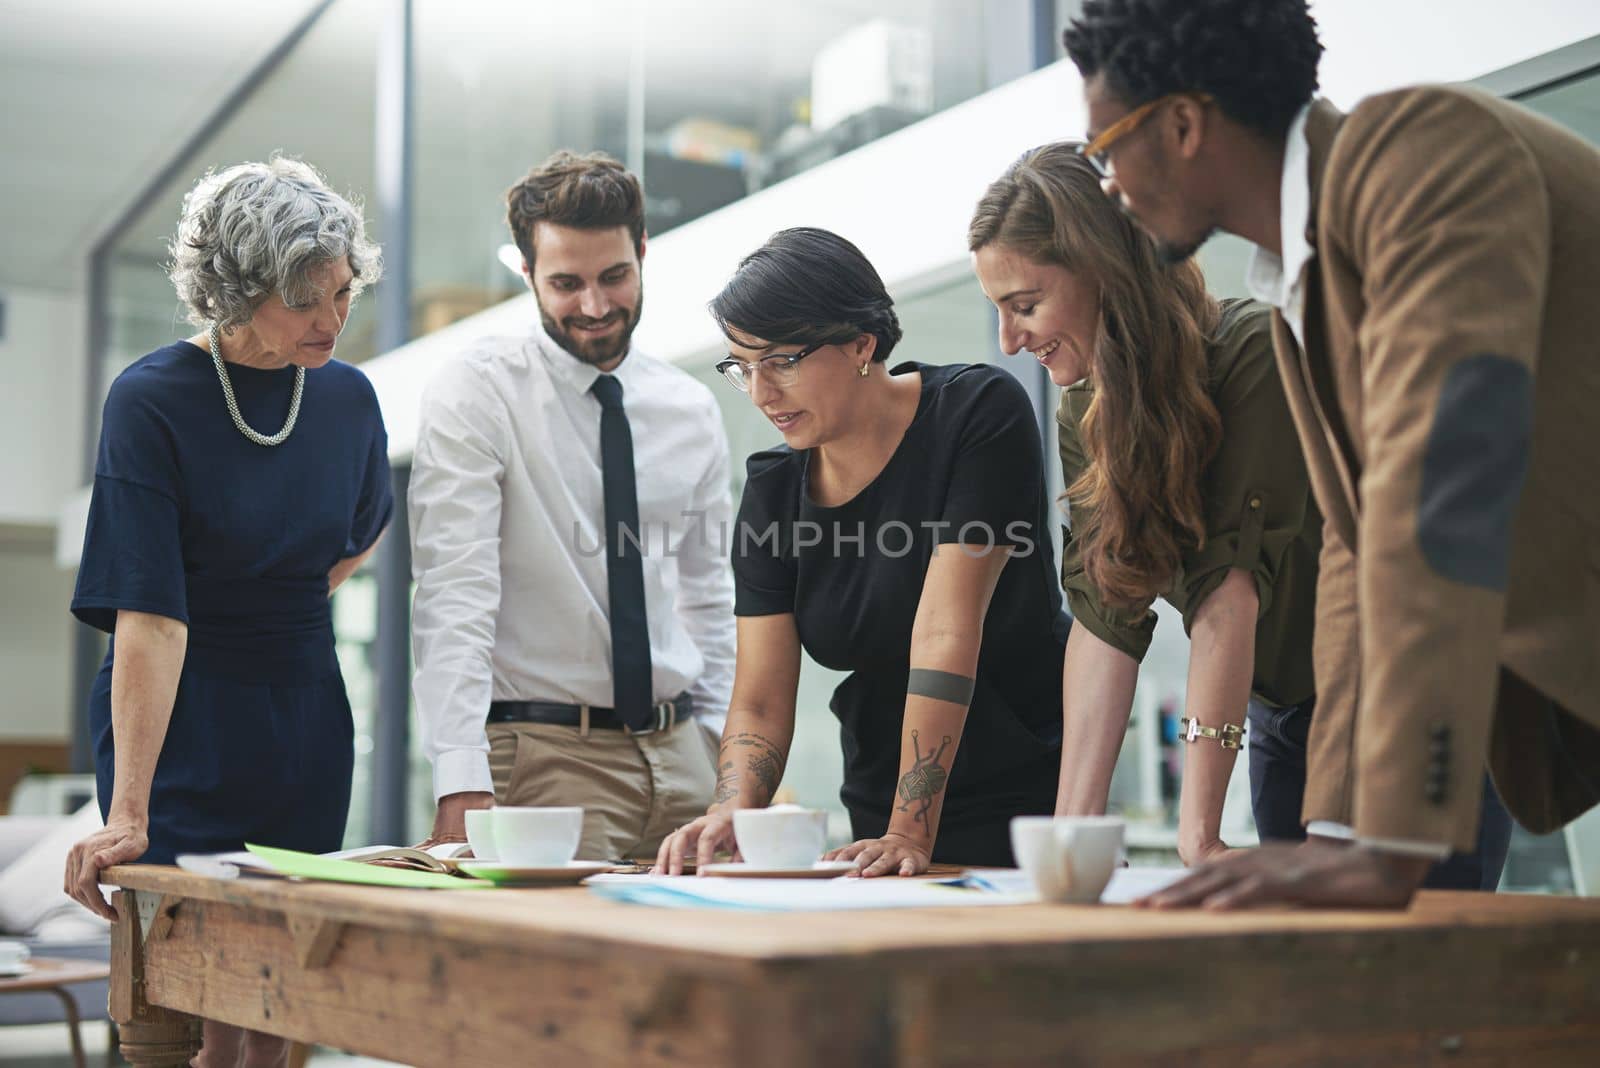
[905, 199]
[35, 638]
[42, 367]
[1373, 45]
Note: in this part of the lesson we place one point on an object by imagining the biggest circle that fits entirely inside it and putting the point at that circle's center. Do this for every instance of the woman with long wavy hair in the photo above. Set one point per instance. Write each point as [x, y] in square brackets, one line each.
[1184, 481]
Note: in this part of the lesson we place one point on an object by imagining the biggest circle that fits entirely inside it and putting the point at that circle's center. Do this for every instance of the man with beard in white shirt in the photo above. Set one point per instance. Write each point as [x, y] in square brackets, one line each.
[569, 504]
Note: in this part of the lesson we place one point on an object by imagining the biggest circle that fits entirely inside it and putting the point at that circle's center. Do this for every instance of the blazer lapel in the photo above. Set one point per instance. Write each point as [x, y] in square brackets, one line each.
[1329, 479]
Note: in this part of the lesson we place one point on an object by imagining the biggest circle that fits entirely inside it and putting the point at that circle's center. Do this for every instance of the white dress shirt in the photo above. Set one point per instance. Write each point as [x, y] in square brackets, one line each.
[1280, 280]
[507, 519]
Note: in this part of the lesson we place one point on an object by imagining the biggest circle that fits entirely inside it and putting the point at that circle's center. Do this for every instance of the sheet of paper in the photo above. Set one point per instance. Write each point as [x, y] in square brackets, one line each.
[223, 865]
[789, 895]
[1130, 884]
[977, 886]
[311, 866]
[1127, 884]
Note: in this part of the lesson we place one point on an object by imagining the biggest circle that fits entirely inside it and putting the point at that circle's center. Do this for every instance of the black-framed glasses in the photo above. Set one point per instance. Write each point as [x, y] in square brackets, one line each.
[780, 368]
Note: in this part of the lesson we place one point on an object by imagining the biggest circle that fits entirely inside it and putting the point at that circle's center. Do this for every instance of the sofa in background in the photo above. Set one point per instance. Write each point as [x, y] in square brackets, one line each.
[34, 910]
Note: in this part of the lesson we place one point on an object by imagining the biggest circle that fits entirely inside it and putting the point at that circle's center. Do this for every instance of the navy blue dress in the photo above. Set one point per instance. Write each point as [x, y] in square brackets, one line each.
[192, 521]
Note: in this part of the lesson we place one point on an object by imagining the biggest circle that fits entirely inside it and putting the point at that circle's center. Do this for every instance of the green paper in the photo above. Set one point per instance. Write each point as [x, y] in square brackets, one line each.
[311, 866]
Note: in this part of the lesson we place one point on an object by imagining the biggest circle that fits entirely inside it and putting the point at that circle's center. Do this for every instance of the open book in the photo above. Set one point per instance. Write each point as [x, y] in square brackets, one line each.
[440, 858]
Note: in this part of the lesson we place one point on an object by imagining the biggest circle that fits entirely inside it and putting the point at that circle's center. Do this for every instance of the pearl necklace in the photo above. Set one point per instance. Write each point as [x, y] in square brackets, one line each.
[233, 404]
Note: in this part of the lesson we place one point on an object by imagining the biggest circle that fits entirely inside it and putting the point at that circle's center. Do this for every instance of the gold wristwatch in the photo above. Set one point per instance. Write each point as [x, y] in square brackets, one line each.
[1229, 735]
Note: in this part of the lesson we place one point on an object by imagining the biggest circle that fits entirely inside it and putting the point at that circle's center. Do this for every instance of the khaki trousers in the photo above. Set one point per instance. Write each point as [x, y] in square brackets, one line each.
[635, 789]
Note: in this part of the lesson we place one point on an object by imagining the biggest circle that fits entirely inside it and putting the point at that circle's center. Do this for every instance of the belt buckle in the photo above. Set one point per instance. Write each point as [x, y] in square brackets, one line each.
[664, 719]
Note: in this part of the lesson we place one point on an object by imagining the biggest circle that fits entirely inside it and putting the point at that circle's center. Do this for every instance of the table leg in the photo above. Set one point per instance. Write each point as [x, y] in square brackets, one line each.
[151, 1035]
[161, 1039]
[69, 1005]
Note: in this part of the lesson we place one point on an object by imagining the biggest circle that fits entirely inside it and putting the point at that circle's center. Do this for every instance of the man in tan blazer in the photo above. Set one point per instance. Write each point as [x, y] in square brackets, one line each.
[1433, 257]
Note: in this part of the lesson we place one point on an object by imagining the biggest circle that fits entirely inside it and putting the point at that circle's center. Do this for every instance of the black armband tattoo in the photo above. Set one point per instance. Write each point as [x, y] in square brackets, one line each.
[940, 686]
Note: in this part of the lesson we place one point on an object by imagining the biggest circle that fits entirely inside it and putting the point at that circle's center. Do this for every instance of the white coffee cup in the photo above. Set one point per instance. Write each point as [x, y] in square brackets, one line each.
[13, 955]
[535, 837]
[480, 833]
[784, 836]
[1068, 858]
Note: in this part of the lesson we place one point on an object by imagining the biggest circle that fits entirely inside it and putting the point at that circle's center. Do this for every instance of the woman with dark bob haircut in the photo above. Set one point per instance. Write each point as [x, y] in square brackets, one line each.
[898, 535]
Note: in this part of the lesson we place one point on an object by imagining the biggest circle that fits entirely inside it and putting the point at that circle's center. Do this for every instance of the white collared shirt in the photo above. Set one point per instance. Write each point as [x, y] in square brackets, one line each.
[507, 515]
[1281, 282]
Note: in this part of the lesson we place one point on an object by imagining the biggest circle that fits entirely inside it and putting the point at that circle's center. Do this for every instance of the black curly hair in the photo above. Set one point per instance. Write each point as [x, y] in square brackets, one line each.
[1257, 58]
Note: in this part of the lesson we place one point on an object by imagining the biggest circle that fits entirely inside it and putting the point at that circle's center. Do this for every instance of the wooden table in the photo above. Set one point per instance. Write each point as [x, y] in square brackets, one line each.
[52, 975]
[559, 977]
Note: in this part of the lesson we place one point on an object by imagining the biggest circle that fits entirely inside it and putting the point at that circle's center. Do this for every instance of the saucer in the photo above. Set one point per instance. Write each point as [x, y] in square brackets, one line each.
[822, 869]
[574, 871]
[15, 970]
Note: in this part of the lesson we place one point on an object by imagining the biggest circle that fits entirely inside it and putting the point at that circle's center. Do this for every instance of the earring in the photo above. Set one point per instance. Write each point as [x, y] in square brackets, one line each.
[866, 369]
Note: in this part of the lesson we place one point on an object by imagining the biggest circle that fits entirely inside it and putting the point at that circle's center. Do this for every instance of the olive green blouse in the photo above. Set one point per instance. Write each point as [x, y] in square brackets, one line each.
[1259, 515]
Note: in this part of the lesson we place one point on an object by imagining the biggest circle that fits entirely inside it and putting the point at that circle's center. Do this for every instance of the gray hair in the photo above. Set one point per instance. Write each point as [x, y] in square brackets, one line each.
[257, 229]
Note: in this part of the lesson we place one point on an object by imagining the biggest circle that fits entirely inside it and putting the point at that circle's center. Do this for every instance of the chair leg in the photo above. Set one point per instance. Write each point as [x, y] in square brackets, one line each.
[299, 1054]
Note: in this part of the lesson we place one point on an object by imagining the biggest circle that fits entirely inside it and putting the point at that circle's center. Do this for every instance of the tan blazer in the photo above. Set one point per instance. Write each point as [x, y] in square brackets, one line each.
[1448, 404]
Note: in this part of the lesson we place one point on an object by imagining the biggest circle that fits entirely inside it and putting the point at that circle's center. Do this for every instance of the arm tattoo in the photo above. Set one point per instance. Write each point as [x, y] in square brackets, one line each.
[940, 686]
[727, 784]
[925, 781]
[765, 762]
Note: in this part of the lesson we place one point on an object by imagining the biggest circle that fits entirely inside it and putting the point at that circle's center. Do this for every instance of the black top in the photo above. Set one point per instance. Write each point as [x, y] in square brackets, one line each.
[968, 472]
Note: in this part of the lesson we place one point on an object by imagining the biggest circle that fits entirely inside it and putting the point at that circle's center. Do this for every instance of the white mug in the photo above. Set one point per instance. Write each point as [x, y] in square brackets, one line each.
[480, 834]
[1068, 858]
[536, 837]
[784, 836]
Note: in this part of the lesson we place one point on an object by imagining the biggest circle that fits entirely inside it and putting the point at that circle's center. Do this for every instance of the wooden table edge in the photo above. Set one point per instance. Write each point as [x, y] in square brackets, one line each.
[754, 938]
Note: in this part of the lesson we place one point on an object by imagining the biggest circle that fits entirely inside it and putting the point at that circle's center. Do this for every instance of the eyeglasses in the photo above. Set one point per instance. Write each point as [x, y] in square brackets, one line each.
[780, 368]
[1098, 151]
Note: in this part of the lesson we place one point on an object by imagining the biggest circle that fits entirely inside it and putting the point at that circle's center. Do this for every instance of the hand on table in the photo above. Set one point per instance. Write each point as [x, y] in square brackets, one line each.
[450, 819]
[1314, 873]
[700, 839]
[1193, 854]
[893, 854]
[120, 841]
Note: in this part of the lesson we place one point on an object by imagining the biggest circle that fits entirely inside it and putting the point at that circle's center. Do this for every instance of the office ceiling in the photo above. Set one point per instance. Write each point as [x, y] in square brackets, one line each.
[99, 93]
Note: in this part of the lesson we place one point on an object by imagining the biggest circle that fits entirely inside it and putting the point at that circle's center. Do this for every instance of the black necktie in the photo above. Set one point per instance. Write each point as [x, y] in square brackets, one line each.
[630, 630]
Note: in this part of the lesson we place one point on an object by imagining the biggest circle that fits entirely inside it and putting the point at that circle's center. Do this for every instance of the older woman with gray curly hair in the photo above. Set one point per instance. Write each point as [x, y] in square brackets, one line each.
[242, 476]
